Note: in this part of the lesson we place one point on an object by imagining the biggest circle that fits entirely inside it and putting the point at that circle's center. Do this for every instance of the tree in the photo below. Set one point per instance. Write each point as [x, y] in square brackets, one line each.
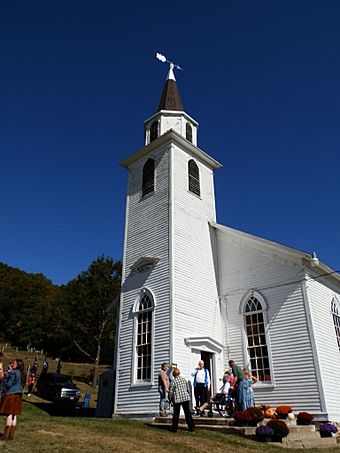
[87, 298]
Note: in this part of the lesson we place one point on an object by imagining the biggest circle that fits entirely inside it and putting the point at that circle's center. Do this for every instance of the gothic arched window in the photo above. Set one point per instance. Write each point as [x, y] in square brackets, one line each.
[143, 345]
[154, 131]
[148, 183]
[336, 319]
[256, 339]
[194, 177]
[188, 132]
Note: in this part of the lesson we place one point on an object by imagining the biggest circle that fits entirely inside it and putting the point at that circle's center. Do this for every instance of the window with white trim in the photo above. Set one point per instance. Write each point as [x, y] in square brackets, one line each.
[335, 309]
[144, 314]
[256, 339]
[194, 177]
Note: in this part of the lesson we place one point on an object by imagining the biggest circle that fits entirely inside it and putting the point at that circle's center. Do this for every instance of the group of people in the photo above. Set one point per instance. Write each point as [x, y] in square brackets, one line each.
[237, 384]
[11, 387]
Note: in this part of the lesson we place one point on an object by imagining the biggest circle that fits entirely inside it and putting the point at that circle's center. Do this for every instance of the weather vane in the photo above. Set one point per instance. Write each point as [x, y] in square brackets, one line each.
[163, 59]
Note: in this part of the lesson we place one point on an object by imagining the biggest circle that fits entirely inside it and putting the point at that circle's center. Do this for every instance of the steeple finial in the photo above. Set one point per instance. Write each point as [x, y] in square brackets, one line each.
[170, 99]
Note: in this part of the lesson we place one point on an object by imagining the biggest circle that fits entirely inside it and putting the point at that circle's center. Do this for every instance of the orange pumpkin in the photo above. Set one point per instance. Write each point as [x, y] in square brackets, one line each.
[268, 413]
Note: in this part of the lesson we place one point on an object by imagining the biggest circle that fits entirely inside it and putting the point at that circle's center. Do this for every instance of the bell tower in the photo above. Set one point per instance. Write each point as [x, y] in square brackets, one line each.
[169, 285]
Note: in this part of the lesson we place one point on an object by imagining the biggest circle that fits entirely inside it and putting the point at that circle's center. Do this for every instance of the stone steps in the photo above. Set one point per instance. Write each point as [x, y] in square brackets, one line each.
[300, 436]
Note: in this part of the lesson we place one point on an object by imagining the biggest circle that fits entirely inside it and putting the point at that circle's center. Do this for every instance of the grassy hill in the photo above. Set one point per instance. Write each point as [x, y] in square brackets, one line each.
[80, 372]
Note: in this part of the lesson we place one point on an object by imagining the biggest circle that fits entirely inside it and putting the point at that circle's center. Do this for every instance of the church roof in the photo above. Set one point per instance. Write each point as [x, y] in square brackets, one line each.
[170, 99]
[280, 248]
[171, 136]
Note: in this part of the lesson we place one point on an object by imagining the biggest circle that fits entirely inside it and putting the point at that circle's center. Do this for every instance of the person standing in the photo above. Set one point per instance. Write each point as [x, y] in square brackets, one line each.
[11, 404]
[201, 385]
[163, 388]
[239, 385]
[30, 384]
[1, 374]
[180, 396]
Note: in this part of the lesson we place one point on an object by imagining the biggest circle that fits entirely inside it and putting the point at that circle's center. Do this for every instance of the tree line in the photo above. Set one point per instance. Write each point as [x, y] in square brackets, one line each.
[70, 321]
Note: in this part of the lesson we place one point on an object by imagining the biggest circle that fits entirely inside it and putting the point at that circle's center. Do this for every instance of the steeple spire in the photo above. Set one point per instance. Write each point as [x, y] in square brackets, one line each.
[170, 99]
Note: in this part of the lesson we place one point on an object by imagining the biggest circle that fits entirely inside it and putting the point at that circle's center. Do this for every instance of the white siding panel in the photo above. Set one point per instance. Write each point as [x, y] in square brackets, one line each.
[244, 267]
[197, 308]
[320, 294]
[147, 234]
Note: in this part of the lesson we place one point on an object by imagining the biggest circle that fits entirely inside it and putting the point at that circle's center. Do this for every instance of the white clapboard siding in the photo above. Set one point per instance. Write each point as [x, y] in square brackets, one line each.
[147, 234]
[195, 294]
[320, 294]
[244, 266]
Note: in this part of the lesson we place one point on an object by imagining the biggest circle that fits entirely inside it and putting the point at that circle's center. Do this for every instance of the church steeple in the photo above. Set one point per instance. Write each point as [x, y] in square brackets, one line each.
[170, 113]
[170, 99]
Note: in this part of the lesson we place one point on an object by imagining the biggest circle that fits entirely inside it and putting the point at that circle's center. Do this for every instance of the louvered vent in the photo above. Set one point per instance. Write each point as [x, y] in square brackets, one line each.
[154, 131]
[188, 132]
[148, 184]
[194, 177]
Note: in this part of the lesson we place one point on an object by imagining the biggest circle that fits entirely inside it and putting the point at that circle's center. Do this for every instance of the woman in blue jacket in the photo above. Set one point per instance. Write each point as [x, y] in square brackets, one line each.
[11, 403]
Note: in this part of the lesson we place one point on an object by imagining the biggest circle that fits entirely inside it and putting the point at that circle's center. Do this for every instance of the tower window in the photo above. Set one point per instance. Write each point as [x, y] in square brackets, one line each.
[194, 177]
[154, 131]
[256, 339]
[336, 319]
[148, 183]
[188, 132]
[143, 350]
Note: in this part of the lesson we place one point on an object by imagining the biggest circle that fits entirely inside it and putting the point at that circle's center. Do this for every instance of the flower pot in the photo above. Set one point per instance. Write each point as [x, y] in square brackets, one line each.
[263, 438]
[325, 434]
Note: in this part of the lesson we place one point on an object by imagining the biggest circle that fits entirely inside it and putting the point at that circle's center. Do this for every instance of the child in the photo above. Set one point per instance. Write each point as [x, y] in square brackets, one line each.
[30, 384]
[249, 395]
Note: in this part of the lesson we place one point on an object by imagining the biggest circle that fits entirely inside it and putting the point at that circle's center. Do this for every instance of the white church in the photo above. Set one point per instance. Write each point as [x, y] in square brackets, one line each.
[194, 289]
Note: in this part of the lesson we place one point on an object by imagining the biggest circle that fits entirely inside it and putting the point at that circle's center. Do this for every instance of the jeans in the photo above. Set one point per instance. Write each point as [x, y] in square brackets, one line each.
[163, 402]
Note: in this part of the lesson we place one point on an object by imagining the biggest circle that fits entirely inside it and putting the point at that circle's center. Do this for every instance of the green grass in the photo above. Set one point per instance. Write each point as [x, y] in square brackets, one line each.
[39, 432]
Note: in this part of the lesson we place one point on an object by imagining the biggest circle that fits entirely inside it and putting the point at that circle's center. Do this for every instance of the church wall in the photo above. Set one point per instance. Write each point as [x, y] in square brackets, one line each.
[147, 234]
[245, 265]
[195, 296]
[320, 295]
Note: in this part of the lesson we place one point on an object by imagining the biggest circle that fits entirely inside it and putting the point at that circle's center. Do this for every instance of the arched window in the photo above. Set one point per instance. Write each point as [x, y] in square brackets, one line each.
[194, 177]
[336, 319]
[256, 339]
[188, 132]
[148, 184]
[154, 131]
[144, 313]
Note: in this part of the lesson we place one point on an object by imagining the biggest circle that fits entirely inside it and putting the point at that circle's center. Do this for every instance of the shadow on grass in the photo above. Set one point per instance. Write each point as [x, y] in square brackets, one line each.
[63, 410]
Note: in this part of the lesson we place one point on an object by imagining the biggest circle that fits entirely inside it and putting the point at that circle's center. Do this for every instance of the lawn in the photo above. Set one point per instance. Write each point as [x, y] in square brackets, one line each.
[39, 432]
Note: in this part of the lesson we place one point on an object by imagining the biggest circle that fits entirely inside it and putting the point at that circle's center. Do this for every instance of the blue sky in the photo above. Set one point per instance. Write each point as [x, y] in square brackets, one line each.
[78, 78]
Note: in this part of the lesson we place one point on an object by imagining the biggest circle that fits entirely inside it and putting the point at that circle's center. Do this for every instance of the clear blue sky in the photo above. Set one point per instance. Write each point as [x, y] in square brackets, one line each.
[79, 77]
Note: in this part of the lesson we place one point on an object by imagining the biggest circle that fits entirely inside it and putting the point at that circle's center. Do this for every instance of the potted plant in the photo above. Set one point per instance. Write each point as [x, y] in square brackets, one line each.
[264, 433]
[255, 415]
[283, 411]
[280, 429]
[304, 418]
[241, 418]
[327, 429]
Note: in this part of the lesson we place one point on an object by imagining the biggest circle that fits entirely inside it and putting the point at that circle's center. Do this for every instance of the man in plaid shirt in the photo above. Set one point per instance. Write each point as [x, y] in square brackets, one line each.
[180, 396]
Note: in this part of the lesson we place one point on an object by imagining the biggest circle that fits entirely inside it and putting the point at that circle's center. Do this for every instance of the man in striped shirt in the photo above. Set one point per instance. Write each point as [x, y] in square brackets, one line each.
[180, 396]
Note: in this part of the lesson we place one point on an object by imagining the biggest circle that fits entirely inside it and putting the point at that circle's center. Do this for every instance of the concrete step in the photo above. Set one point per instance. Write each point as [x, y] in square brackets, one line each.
[310, 436]
[321, 443]
[199, 420]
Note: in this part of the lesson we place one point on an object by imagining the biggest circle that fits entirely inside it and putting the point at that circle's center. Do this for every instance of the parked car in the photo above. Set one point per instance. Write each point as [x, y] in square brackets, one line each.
[58, 388]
